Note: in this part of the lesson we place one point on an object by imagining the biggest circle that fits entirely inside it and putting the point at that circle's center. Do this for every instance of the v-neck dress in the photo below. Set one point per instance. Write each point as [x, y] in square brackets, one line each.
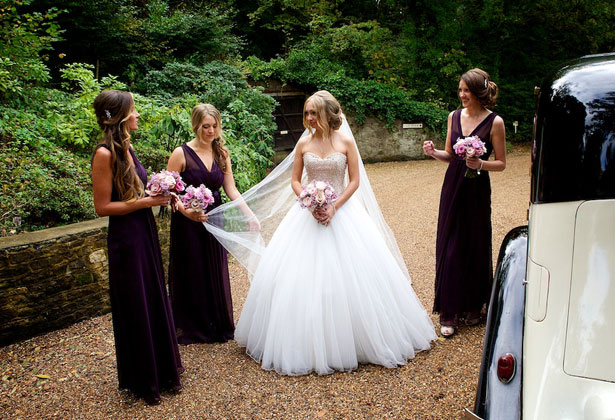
[464, 268]
[146, 350]
[198, 268]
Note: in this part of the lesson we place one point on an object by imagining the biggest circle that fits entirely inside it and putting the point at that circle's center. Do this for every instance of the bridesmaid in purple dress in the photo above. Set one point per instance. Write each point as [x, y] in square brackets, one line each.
[464, 269]
[198, 272]
[145, 343]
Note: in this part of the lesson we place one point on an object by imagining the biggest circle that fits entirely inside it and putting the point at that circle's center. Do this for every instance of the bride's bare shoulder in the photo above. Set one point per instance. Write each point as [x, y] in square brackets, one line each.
[303, 141]
[344, 139]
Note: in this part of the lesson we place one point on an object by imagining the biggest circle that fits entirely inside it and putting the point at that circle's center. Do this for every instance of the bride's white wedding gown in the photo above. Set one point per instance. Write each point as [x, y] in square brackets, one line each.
[326, 298]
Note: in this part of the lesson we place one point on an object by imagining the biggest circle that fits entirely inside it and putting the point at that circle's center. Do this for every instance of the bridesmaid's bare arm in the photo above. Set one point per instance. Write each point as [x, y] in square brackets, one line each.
[233, 193]
[102, 186]
[442, 155]
[498, 139]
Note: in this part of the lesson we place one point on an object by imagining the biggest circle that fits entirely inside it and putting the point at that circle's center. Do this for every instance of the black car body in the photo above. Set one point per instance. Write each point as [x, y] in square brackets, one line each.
[549, 350]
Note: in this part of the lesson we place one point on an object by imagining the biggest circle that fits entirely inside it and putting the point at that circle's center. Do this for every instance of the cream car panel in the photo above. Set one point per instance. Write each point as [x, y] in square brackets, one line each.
[590, 339]
[551, 231]
[538, 290]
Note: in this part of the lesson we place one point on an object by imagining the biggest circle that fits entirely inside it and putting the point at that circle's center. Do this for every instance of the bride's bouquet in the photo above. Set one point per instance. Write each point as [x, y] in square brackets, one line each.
[164, 183]
[197, 199]
[468, 147]
[316, 194]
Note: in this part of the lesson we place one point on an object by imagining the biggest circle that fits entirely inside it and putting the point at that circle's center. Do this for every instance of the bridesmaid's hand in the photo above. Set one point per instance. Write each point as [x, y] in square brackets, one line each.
[158, 200]
[174, 202]
[473, 163]
[254, 224]
[196, 215]
[428, 148]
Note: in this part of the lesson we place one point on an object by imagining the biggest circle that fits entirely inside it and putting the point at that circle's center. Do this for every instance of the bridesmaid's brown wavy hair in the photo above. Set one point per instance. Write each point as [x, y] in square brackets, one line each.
[113, 109]
[198, 113]
[328, 111]
[481, 86]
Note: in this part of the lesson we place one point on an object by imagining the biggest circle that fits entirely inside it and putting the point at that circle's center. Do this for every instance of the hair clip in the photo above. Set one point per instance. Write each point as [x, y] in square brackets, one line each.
[108, 114]
[485, 83]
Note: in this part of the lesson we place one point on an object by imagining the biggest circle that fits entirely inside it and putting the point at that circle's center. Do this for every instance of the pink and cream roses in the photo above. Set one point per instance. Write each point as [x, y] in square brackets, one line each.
[468, 147]
[197, 198]
[164, 182]
[316, 194]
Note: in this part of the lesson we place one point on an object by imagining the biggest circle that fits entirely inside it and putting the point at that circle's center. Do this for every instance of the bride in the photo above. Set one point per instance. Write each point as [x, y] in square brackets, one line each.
[330, 290]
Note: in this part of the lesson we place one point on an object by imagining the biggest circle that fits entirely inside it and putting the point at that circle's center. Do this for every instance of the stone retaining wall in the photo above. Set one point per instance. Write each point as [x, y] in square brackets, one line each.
[379, 144]
[52, 278]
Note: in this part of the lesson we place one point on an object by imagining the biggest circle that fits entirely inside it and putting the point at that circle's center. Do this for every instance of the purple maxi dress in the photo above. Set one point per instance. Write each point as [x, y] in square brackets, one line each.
[146, 347]
[464, 268]
[198, 268]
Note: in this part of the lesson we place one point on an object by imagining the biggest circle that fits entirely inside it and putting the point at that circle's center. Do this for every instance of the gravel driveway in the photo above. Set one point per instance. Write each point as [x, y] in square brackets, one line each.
[71, 374]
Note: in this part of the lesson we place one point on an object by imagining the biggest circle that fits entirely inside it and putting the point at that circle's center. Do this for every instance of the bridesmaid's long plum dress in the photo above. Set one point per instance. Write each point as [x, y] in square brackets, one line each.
[146, 347]
[198, 268]
[464, 269]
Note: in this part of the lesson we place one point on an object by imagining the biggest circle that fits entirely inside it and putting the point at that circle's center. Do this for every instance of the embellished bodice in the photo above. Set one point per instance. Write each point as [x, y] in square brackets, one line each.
[332, 169]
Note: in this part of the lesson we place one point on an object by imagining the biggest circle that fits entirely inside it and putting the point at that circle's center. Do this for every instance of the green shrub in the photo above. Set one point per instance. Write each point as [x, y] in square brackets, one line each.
[25, 39]
[247, 115]
[43, 188]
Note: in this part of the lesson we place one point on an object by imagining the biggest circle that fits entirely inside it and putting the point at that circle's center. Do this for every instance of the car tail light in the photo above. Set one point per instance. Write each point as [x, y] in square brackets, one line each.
[506, 368]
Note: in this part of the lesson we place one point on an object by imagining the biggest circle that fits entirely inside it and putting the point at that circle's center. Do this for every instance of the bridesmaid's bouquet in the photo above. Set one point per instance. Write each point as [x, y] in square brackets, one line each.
[197, 199]
[316, 194]
[164, 183]
[468, 147]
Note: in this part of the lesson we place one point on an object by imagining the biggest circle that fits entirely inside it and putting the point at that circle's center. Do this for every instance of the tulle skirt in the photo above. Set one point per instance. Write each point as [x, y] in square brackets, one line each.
[326, 298]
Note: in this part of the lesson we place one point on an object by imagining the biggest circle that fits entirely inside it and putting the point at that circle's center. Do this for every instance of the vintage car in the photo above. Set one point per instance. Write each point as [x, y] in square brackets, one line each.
[549, 350]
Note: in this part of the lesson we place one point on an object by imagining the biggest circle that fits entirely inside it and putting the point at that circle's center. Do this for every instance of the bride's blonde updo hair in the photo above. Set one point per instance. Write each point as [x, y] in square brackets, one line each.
[481, 86]
[328, 112]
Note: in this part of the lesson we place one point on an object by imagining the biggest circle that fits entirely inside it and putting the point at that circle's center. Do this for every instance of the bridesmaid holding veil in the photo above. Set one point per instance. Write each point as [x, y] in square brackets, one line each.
[198, 270]
[464, 268]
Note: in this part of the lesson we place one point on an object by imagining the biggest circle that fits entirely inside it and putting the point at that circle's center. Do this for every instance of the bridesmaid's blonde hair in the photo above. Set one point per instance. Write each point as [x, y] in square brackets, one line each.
[328, 112]
[198, 113]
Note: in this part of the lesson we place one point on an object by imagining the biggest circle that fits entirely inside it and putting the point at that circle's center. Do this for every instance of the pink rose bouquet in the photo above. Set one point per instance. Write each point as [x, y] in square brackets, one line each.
[197, 199]
[316, 194]
[164, 182]
[468, 147]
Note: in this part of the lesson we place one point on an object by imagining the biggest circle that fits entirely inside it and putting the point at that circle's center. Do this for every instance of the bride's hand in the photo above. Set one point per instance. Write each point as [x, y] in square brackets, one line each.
[319, 214]
[328, 213]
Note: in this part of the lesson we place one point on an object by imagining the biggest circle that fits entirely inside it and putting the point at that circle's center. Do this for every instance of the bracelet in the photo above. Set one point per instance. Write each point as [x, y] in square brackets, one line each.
[481, 166]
